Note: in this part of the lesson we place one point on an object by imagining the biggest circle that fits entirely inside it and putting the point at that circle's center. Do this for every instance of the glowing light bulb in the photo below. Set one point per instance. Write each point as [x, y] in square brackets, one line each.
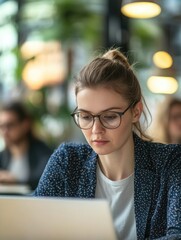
[161, 84]
[162, 59]
[140, 9]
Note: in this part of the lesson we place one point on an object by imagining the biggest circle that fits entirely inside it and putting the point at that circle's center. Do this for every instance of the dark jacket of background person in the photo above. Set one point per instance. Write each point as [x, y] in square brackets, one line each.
[71, 172]
[38, 154]
[22, 147]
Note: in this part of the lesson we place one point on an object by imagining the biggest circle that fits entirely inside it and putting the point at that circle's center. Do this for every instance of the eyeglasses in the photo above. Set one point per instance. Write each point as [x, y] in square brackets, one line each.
[175, 117]
[108, 119]
[8, 125]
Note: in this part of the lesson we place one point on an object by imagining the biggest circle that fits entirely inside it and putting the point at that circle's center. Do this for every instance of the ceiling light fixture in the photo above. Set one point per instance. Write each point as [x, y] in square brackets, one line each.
[162, 59]
[163, 81]
[140, 8]
[162, 84]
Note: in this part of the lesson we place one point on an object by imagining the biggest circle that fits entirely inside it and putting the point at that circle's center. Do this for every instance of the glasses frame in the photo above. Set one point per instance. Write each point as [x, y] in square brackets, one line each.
[9, 125]
[99, 116]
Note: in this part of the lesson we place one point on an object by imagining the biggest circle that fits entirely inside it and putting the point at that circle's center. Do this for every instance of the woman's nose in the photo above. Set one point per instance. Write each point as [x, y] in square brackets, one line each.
[97, 126]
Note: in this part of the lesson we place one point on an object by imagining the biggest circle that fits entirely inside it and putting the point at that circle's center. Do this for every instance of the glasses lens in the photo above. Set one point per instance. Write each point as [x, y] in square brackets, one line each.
[8, 125]
[175, 117]
[110, 119]
[83, 120]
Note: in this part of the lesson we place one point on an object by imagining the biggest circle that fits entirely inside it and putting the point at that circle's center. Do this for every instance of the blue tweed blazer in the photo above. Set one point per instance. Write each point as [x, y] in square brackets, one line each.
[71, 172]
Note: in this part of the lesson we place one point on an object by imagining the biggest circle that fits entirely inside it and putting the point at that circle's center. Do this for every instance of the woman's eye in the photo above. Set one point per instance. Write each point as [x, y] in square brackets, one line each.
[85, 116]
[110, 116]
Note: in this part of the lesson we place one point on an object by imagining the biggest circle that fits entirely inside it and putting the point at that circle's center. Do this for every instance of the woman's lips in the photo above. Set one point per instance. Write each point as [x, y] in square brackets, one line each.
[99, 142]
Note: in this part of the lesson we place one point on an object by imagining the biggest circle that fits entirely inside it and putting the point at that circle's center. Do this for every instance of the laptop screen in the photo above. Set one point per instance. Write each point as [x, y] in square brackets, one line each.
[29, 218]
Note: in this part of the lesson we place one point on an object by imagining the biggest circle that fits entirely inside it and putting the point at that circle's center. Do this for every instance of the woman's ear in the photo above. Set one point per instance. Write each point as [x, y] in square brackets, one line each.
[137, 111]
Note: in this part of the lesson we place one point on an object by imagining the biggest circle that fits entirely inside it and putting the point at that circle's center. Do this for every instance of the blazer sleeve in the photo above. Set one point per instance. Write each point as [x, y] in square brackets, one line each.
[173, 176]
[174, 203]
[52, 181]
[169, 237]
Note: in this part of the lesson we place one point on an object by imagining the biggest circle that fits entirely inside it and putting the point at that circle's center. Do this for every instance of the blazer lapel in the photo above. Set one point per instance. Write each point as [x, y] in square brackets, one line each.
[87, 180]
[143, 185]
[144, 182]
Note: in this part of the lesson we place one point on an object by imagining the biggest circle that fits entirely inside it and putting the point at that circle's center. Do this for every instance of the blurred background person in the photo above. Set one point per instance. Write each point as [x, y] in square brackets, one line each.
[167, 127]
[24, 157]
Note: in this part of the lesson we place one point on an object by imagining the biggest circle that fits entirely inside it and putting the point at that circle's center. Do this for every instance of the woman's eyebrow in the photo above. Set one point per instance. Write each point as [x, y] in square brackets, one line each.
[107, 109]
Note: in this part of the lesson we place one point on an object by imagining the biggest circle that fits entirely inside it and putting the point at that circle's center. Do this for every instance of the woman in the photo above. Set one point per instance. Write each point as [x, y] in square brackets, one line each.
[140, 179]
[168, 121]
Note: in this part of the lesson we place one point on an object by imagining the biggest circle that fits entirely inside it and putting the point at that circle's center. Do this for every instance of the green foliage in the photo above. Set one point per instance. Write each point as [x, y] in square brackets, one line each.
[76, 20]
[20, 64]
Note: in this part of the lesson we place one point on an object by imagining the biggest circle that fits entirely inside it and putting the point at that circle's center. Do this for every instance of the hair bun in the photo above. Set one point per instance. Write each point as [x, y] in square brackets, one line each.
[117, 56]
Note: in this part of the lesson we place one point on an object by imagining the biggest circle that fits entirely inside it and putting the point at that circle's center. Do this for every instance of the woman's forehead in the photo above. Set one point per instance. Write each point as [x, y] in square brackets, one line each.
[99, 99]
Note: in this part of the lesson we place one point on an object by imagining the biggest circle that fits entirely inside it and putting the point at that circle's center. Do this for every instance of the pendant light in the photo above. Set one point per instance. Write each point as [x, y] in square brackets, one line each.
[140, 8]
[162, 84]
[163, 79]
[162, 59]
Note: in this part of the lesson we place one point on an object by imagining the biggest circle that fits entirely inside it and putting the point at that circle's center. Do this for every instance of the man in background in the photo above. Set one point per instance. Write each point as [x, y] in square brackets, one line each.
[25, 156]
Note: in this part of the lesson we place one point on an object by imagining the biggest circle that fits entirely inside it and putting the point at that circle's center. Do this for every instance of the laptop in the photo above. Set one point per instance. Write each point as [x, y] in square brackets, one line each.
[30, 218]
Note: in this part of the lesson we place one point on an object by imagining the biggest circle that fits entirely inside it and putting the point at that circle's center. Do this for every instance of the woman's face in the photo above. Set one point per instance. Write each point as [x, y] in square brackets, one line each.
[105, 141]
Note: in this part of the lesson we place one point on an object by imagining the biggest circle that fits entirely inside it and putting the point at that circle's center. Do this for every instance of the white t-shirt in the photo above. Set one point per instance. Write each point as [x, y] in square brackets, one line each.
[19, 167]
[120, 195]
